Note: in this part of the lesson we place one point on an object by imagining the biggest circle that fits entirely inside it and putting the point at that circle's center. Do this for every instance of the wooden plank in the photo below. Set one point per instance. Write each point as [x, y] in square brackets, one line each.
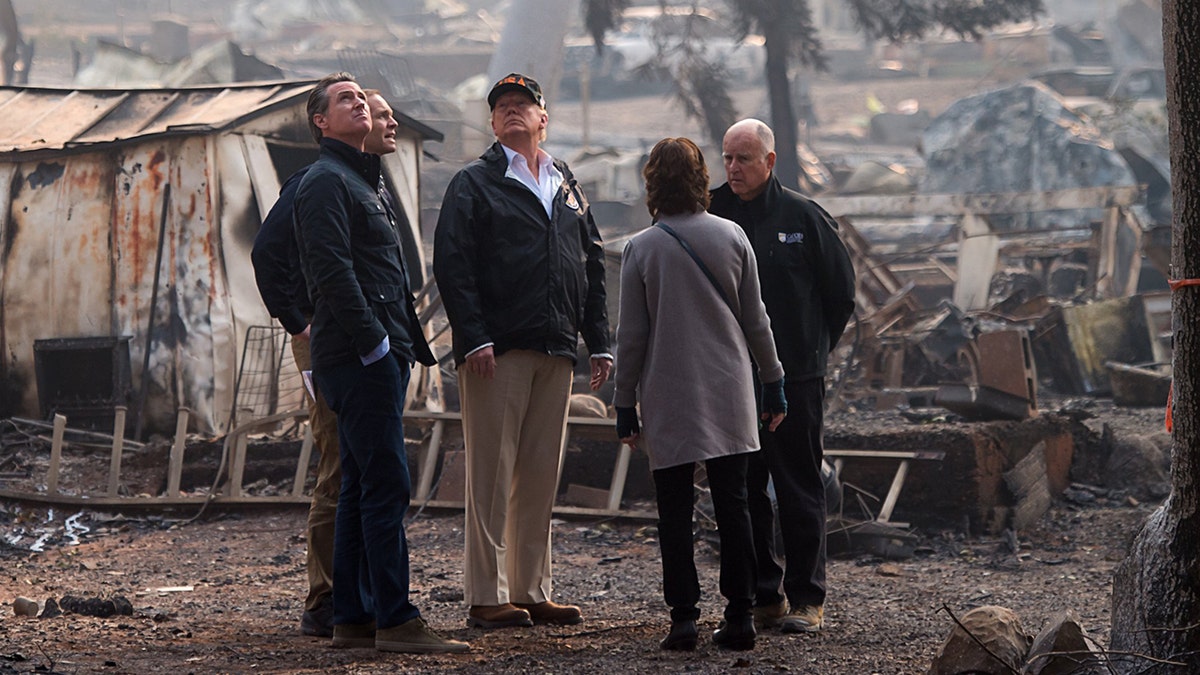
[1001, 203]
[840, 455]
[97, 436]
[457, 416]
[563, 510]
[56, 445]
[302, 463]
[149, 502]
[237, 466]
[889, 502]
[429, 461]
[978, 248]
[274, 500]
[114, 463]
[234, 448]
[175, 465]
[616, 488]
[886, 454]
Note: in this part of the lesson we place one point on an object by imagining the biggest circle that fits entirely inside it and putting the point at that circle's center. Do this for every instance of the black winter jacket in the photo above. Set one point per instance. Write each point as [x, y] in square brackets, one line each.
[276, 261]
[510, 275]
[805, 272]
[352, 262]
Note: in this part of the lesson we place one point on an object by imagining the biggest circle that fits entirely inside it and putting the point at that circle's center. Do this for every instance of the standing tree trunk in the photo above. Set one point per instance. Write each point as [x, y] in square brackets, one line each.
[11, 35]
[779, 91]
[1156, 590]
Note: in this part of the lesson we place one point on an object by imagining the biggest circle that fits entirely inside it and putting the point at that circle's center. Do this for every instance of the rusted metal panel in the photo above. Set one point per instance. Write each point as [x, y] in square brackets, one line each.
[237, 306]
[195, 275]
[181, 363]
[58, 278]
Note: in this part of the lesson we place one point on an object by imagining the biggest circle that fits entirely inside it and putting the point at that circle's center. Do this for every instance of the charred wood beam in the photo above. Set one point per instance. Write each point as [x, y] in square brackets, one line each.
[1000, 203]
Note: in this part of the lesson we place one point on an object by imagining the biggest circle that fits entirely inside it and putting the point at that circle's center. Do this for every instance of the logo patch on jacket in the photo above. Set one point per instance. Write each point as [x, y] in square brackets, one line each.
[572, 203]
[791, 237]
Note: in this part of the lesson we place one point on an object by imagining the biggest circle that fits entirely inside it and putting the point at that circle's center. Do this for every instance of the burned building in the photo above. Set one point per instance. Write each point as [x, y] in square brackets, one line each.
[129, 215]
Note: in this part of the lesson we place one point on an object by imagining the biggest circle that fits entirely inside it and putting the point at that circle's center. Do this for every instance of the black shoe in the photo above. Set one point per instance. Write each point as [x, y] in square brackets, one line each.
[318, 621]
[736, 635]
[682, 637]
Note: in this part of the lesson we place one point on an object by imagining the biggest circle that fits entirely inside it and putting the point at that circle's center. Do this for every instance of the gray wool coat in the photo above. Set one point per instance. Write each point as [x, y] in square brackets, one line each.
[680, 350]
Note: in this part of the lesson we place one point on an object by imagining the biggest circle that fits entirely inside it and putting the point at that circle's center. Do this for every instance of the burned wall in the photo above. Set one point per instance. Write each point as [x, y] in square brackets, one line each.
[83, 233]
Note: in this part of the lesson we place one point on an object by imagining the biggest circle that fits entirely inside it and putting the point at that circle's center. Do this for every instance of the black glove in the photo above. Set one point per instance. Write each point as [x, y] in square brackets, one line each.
[627, 422]
[773, 400]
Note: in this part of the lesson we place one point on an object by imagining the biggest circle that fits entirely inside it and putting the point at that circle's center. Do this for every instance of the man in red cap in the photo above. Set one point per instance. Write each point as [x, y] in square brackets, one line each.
[520, 268]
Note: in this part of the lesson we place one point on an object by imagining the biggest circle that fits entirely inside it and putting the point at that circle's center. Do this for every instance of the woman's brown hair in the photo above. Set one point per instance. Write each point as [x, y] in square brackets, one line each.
[676, 178]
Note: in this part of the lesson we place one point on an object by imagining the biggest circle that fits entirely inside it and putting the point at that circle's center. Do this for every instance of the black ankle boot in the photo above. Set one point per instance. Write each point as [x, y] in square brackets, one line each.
[682, 637]
[737, 635]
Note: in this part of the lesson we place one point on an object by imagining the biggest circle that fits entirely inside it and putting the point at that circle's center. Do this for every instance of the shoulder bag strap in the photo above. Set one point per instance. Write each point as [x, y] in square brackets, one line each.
[701, 265]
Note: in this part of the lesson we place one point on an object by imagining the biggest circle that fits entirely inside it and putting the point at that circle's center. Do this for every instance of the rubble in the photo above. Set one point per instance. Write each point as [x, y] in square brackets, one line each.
[1019, 138]
[1030, 486]
[1063, 647]
[96, 606]
[24, 607]
[1135, 386]
[51, 609]
[988, 640]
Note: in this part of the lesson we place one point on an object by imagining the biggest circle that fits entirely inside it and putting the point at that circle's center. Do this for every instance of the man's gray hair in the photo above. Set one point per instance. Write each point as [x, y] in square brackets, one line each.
[766, 137]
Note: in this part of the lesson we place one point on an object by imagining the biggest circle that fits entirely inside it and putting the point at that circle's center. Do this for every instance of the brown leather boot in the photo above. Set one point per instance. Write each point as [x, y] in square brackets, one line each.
[552, 612]
[497, 616]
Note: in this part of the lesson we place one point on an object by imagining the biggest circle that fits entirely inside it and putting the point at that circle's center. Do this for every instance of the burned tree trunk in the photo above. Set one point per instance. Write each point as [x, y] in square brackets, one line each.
[779, 91]
[1156, 590]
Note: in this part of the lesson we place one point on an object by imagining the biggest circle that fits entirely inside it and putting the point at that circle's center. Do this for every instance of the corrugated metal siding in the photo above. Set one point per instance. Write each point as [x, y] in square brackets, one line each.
[54, 119]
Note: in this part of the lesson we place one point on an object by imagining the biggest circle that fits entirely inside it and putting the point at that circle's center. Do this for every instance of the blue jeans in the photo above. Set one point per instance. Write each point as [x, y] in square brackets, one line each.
[370, 552]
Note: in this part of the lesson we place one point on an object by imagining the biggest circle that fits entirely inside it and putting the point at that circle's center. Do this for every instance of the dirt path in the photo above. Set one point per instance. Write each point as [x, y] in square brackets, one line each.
[245, 579]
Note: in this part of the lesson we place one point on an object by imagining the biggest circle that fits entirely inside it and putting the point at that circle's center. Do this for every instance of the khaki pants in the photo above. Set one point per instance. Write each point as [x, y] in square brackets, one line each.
[323, 509]
[514, 427]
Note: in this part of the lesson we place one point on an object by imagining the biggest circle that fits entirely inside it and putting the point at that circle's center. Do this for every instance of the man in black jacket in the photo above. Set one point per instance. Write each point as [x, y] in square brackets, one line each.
[519, 265]
[364, 338]
[807, 284]
[277, 272]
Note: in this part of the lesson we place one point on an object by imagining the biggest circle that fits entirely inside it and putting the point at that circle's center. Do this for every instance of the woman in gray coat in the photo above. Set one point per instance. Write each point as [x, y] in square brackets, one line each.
[684, 344]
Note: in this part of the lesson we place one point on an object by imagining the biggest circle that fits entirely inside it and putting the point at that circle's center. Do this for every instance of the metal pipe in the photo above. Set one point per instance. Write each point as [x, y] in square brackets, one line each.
[162, 236]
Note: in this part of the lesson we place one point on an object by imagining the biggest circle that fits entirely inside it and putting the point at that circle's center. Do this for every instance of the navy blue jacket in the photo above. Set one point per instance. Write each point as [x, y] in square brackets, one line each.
[805, 272]
[512, 276]
[353, 262]
[276, 262]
